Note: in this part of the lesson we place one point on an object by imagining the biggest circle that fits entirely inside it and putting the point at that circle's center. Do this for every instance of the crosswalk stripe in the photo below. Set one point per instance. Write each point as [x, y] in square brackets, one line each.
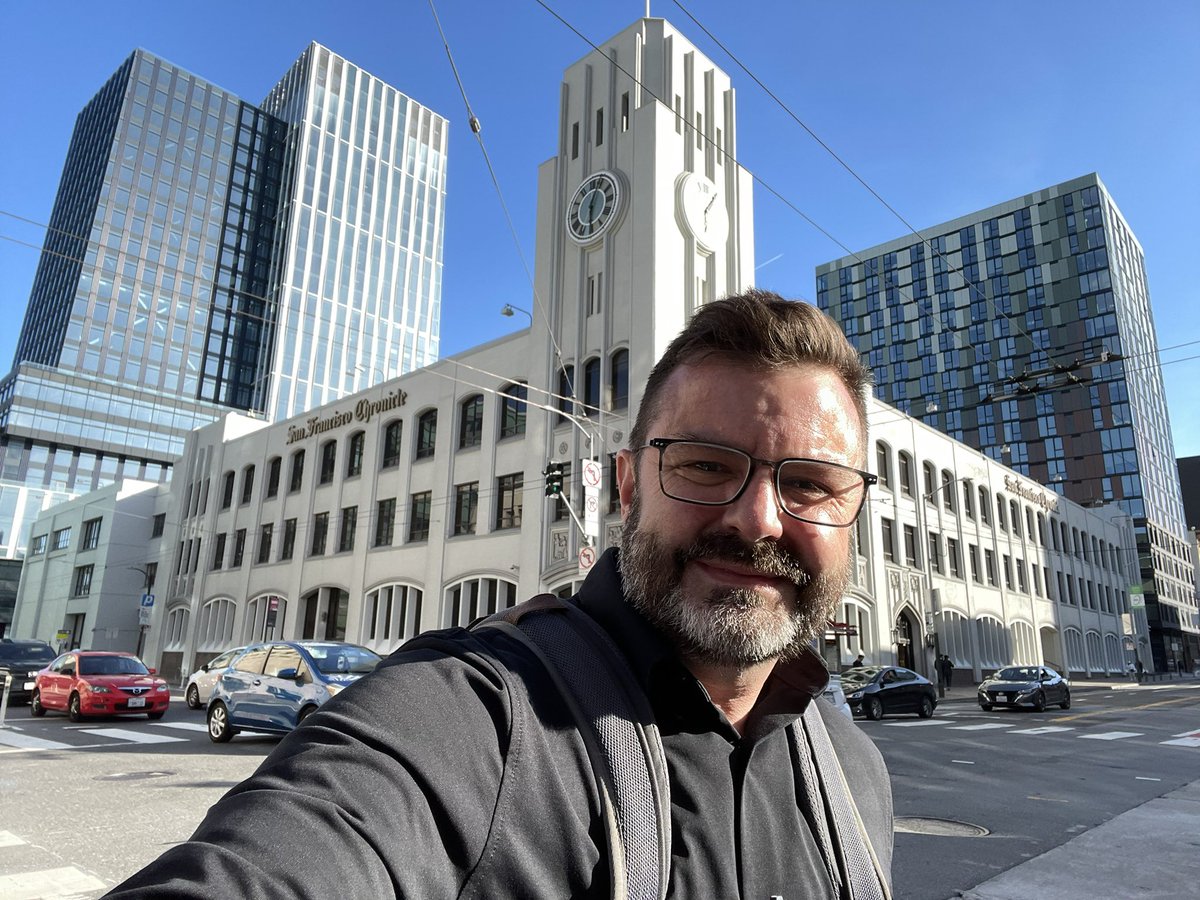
[8, 839]
[1045, 729]
[134, 737]
[183, 726]
[1183, 742]
[1110, 735]
[27, 742]
[63, 882]
[987, 726]
[915, 723]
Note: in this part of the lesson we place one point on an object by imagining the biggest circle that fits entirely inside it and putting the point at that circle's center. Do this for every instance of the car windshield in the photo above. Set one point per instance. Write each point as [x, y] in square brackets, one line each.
[861, 675]
[35, 656]
[1017, 673]
[111, 665]
[343, 659]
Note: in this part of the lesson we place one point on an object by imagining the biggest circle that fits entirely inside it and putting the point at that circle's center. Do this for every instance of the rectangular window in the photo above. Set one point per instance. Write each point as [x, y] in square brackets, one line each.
[264, 543]
[273, 477]
[385, 522]
[349, 526]
[426, 434]
[239, 548]
[391, 445]
[509, 491]
[319, 533]
[354, 454]
[218, 557]
[296, 475]
[910, 545]
[1008, 575]
[91, 534]
[81, 584]
[418, 526]
[1022, 582]
[888, 539]
[625, 111]
[288, 548]
[62, 539]
[954, 557]
[328, 462]
[935, 552]
[574, 140]
[38, 546]
[247, 484]
[976, 576]
[466, 504]
[599, 127]
[989, 564]
[160, 524]
[227, 491]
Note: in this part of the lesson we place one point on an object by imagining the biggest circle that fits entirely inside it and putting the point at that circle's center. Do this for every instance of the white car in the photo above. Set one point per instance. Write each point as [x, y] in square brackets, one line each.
[834, 694]
[200, 683]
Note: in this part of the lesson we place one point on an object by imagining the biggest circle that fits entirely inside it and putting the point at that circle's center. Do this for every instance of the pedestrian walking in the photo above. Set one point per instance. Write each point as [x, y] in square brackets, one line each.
[858, 661]
[1141, 670]
[454, 769]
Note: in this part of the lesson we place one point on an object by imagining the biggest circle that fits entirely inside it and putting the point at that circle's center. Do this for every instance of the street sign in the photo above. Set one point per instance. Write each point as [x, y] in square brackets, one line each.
[63, 636]
[593, 475]
[144, 614]
[587, 559]
[147, 601]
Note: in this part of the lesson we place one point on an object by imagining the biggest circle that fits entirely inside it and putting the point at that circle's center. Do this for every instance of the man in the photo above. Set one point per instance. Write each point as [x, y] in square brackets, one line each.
[455, 770]
[858, 661]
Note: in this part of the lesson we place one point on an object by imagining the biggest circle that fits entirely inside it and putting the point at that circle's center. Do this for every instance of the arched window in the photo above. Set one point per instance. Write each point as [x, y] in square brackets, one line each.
[265, 618]
[247, 484]
[328, 461]
[176, 628]
[426, 434]
[471, 598]
[227, 490]
[215, 629]
[883, 465]
[905, 473]
[296, 472]
[619, 380]
[273, 469]
[995, 649]
[470, 423]
[985, 507]
[391, 444]
[354, 453]
[513, 403]
[929, 474]
[948, 490]
[392, 615]
[591, 386]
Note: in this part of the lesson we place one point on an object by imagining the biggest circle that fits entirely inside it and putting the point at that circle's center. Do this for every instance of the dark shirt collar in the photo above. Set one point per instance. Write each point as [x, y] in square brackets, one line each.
[675, 694]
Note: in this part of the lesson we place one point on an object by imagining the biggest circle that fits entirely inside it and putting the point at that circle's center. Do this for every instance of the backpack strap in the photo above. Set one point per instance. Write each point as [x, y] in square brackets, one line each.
[617, 726]
[853, 864]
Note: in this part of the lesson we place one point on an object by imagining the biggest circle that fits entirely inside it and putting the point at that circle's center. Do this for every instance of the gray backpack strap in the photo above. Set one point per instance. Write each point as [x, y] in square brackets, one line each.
[618, 729]
[840, 828]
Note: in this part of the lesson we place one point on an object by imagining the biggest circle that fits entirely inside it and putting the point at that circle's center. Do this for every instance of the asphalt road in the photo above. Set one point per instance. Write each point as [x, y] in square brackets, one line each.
[85, 805]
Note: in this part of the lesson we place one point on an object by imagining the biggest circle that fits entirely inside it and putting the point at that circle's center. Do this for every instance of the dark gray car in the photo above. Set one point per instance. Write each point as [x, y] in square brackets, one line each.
[22, 659]
[1034, 686]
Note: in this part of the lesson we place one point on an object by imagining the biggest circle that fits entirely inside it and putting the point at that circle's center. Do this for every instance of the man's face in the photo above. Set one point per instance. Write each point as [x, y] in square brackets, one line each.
[743, 583]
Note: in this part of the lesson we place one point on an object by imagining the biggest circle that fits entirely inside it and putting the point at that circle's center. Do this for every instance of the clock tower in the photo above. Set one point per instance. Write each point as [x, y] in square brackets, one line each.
[643, 215]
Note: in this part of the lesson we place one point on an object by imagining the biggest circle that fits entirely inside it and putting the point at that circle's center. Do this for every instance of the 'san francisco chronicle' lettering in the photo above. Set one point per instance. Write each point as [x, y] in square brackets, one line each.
[1041, 498]
[364, 411]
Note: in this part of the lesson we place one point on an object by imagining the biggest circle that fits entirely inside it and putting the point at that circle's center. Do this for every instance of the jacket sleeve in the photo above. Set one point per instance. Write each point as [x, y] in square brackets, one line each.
[398, 787]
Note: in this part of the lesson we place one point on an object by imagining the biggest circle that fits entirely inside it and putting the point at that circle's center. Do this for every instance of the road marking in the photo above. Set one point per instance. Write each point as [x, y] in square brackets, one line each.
[963, 762]
[1183, 742]
[1045, 729]
[1145, 778]
[986, 726]
[26, 742]
[135, 737]
[1110, 735]
[915, 723]
[65, 882]
[183, 726]
[8, 839]
[1048, 799]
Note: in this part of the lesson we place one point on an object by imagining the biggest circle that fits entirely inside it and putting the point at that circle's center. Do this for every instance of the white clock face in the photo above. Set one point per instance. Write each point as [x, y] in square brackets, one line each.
[702, 208]
[594, 207]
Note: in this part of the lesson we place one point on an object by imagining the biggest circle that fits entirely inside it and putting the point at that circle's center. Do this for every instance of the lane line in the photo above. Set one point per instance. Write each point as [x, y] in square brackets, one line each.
[135, 737]
[963, 762]
[1145, 778]
[915, 723]
[987, 726]
[1045, 729]
[1110, 736]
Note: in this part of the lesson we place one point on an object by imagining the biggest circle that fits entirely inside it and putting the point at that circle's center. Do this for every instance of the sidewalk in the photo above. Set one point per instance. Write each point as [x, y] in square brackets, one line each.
[1149, 853]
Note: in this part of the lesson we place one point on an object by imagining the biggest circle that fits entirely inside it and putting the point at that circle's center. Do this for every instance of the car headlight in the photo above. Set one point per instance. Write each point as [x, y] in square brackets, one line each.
[99, 689]
[334, 689]
[857, 695]
[162, 688]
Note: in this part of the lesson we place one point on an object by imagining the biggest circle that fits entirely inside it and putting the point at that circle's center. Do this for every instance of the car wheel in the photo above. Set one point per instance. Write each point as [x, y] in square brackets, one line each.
[926, 709]
[986, 707]
[35, 705]
[193, 697]
[304, 714]
[219, 728]
[155, 716]
[1039, 702]
[1066, 700]
[74, 709]
[873, 708]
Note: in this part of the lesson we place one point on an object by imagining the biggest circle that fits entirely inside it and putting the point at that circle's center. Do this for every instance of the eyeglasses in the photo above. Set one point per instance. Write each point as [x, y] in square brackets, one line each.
[811, 490]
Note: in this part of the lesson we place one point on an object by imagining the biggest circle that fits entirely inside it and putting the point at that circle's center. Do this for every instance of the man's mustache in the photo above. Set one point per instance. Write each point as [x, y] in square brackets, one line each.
[765, 557]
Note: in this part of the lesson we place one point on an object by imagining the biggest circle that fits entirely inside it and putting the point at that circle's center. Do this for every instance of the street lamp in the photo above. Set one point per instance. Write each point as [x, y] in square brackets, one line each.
[508, 310]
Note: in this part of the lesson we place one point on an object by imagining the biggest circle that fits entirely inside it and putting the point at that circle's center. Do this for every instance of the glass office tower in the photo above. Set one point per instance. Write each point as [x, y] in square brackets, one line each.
[204, 254]
[1026, 330]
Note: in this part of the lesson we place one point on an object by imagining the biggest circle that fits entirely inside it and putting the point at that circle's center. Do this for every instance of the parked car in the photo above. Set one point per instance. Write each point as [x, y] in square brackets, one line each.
[200, 683]
[1036, 686]
[834, 694]
[21, 660]
[275, 685]
[97, 683]
[876, 691]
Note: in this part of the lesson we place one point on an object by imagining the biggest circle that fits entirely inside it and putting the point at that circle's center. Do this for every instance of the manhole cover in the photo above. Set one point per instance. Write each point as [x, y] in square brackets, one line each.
[941, 827]
[132, 776]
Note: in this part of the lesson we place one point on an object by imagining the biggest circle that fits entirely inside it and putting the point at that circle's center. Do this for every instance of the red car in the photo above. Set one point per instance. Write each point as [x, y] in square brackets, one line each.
[94, 683]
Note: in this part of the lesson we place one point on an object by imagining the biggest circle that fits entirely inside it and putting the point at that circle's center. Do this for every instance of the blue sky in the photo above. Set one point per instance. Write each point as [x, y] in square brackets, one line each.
[942, 107]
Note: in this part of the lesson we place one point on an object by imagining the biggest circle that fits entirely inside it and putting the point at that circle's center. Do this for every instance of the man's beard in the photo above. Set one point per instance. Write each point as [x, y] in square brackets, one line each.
[733, 626]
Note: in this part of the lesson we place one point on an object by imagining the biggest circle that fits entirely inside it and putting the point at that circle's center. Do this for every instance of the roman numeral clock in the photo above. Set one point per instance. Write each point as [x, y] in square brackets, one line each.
[594, 207]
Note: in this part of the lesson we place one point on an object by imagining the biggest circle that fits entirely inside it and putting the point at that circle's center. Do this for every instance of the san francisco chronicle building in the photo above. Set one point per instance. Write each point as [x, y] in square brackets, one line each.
[421, 503]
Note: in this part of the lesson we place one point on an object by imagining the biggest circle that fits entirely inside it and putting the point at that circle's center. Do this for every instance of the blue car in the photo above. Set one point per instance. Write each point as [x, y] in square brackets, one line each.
[273, 686]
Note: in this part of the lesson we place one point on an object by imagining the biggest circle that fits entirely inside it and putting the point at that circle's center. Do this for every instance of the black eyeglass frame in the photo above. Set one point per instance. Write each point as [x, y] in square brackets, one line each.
[661, 444]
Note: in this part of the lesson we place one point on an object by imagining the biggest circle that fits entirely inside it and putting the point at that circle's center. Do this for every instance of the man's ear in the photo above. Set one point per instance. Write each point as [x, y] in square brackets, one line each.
[626, 480]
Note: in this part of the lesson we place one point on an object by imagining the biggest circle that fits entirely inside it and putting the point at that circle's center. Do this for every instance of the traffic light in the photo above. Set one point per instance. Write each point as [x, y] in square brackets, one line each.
[554, 478]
